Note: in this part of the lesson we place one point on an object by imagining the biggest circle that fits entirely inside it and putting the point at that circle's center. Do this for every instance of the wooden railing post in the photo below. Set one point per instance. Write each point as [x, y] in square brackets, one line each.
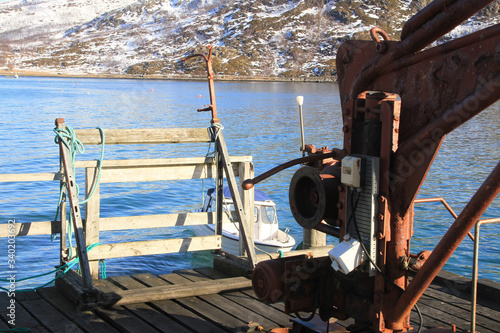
[246, 171]
[92, 208]
[63, 248]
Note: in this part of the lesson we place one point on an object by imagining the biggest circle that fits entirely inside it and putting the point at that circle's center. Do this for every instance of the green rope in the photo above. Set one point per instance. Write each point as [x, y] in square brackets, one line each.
[67, 266]
[15, 329]
[69, 139]
[103, 269]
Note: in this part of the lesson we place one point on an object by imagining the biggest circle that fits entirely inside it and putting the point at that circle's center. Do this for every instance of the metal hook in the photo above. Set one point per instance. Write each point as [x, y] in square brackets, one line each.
[380, 46]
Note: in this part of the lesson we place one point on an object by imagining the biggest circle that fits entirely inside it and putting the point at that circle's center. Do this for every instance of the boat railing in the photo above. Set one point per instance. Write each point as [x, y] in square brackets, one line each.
[134, 170]
[475, 263]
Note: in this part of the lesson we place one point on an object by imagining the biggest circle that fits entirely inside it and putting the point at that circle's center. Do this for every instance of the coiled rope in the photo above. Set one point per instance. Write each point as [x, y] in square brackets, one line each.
[68, 137]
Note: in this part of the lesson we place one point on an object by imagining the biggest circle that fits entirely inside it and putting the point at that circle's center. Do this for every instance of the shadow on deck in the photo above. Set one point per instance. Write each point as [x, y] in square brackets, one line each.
[46, 310]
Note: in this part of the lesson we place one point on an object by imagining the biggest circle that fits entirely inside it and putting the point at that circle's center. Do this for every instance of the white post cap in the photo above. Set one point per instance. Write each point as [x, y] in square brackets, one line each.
[300, 100]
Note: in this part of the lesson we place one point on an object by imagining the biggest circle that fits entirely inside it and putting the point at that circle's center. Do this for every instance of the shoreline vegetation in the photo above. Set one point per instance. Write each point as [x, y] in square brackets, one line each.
[41, 73]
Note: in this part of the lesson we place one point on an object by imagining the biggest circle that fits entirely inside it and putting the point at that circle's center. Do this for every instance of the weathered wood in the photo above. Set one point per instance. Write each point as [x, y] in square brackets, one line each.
[23, 318]
[233, 187]
[262, 314]
[215, 274]
[92, 208]
[157, 173]
[178, 161]
[226, 320]
[143, 135]
[188, 318]
[49, 317]
[441, 292]
[30, 177]
[70, 285]
[226, 312]
[450, 308]
[72, 194]
[157, 221]
[486, 316]
[176, 291]
[118, 316]
[312, 238]
[443, 319]
[119, 223]
[84, 319]
[150, 315]
[32, 228]
[246, 171]
[63, 225]
[162, 246]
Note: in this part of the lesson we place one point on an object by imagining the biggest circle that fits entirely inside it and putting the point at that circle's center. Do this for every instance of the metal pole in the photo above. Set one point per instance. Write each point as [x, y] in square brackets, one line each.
[475, 273]
[300, 102]
[474, 279]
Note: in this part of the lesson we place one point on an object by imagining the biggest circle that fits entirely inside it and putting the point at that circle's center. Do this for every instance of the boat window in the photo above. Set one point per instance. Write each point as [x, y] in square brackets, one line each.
[270, 216]
[255, 215]
[229, 207]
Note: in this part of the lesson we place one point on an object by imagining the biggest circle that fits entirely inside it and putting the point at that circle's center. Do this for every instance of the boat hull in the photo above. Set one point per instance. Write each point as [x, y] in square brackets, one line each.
[230, 241]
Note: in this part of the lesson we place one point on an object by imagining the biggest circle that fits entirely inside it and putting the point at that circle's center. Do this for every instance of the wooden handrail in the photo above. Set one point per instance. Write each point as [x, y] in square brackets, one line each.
[144, 136]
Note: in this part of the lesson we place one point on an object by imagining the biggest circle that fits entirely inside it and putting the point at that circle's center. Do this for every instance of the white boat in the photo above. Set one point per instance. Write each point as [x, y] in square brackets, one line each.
[268, 237]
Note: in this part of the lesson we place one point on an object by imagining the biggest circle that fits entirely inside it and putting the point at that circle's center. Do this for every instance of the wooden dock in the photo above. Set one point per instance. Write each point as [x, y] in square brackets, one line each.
[198, 300]
[46, 310]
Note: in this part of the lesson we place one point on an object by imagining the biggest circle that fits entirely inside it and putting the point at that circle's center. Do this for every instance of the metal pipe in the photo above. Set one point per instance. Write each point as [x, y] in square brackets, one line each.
[328, 229]
[210, 76]
[446, 205]
[445, 248]
[335, 153]
[474, 280]
[300, 101]
[475, 272]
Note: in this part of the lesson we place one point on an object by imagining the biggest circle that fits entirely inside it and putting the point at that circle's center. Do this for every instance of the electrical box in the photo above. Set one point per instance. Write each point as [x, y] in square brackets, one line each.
[351, 171]
[347, 255]
[362, 204]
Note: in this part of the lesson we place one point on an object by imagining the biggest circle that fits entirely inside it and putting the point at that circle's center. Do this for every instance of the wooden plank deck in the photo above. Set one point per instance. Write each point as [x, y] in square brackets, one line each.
[48, 311]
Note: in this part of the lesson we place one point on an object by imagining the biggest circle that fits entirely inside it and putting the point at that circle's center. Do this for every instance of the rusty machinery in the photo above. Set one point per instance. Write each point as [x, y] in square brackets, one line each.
[399, 100]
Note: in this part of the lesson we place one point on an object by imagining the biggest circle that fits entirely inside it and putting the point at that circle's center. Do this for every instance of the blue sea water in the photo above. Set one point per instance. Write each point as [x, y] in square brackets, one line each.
[260, 119]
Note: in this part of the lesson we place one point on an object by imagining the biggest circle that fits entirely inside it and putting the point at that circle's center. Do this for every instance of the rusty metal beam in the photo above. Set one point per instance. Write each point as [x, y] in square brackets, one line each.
[429, 26]
[452, 118]
[437, 19]
[448, 244]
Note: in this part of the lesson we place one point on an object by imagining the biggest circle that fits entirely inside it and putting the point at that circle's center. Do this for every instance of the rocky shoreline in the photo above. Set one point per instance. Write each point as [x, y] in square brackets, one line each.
[32, 73]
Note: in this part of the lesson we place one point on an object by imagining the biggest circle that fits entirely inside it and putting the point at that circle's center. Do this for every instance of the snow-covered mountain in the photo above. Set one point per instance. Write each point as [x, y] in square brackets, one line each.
[287, 38]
